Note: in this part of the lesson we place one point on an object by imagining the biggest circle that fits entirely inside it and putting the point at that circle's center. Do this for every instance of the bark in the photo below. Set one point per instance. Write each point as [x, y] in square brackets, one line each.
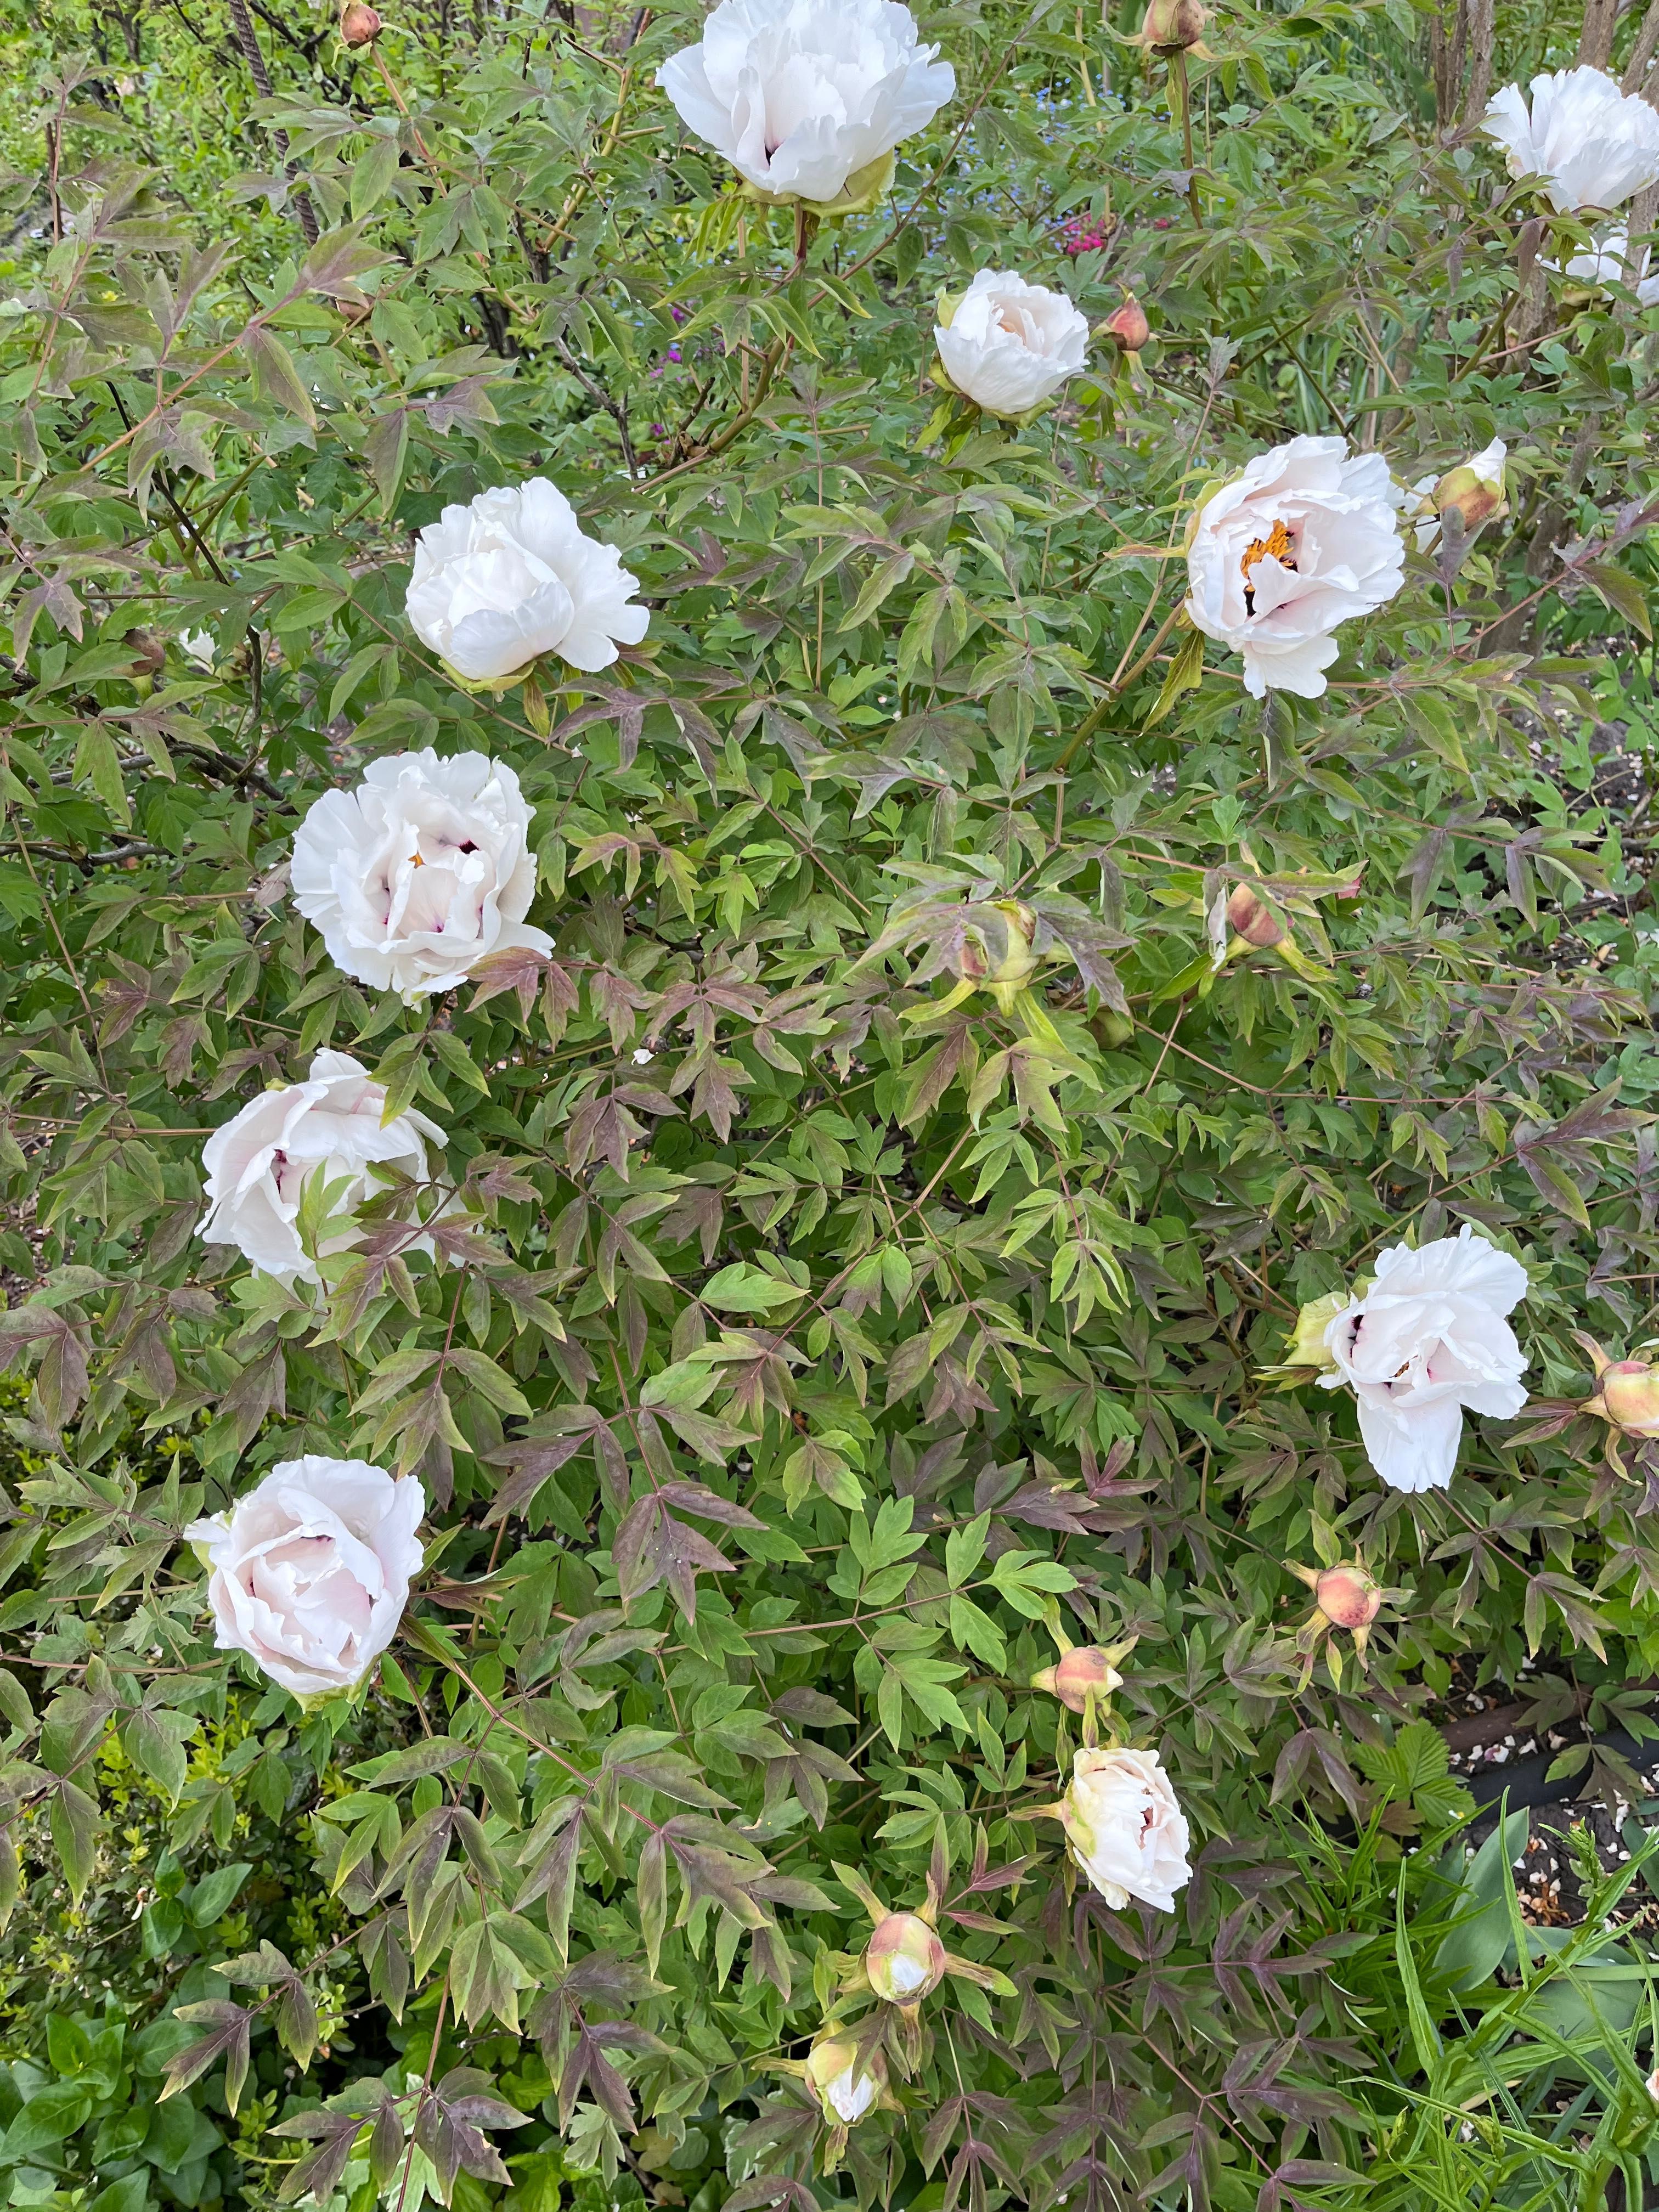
[247, 38]
[1596, 38]
[1638, 71]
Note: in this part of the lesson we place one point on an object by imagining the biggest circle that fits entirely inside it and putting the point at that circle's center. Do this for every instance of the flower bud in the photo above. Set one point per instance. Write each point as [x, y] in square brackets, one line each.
[1252, 918]
[1129, 327]
[1172, 23]
[1347, 1596]
[998, 955]
[1628, 1397]
[1080, 1671]
[360, 24]
[1474, 490]
[844, 2086]
[904, 1958]
[149, 655]
[1653, 2085]
[1307, 1346]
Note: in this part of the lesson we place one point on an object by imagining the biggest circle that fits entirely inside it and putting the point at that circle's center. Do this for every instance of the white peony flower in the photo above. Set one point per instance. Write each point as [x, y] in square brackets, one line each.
[500, 582]
[257, 1165]
[806, 98]
[418, 873]
[1010, 345]
[1425, 1338]
[197, 644]
[310, 1571]
[1125, 1829]
[1306, 539]
[1611, 262]
[1594, 145]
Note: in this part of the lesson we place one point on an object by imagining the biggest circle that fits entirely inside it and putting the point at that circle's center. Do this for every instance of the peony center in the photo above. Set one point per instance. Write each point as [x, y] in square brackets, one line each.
[1278, 542]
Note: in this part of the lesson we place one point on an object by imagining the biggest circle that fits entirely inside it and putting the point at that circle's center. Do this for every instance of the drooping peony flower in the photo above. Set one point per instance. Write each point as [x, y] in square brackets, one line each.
[1307, 537]
[310, 1571]
[1475, 488]
[807, 99]
[846, 2087]
[197, 644]
[904, 1958]
[256, 1166]
[1425, 1339]
[1125, 1829]
[1595, 145]
[1009, 345]
[1611, 262]
[512, 576]
[416, 875]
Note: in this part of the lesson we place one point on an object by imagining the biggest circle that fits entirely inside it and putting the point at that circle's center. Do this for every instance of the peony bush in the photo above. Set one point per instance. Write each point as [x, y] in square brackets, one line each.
[827, 937]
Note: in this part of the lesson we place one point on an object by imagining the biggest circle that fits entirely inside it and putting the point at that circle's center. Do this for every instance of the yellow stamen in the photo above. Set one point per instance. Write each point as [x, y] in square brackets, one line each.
[1276, 542]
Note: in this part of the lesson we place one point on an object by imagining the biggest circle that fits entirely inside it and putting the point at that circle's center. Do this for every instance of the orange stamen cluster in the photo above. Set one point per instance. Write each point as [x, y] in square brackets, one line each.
[1278, 542]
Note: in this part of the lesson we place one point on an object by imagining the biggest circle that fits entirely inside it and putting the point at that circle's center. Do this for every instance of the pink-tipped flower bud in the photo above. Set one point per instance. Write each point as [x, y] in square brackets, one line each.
[360, 24]
[904, 1960]
[1627, 1397]
[1254, 919]
[845, 2085]
[1348, 1597]
[1129, 327]
[1171, 23]
[1080, 1671]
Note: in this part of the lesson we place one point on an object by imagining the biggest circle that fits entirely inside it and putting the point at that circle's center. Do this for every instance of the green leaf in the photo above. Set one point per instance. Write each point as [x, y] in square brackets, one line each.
[742, 1289]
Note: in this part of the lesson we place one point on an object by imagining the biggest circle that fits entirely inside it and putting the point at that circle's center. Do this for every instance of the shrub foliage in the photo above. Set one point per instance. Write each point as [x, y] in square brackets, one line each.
[863, 1237]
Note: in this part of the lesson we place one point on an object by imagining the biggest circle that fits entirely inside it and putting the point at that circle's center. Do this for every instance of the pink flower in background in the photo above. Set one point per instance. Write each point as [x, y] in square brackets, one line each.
[1084, 233]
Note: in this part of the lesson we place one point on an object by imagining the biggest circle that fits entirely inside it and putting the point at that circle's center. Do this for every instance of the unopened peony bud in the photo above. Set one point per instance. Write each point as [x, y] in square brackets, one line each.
[1254, 919]
[1129, 325]
[1307, 1346]
[844, 2086]
[360, 24]
[1172, 23]
[1348, 1597]
[1627, 1397]
[904, 1960]
[149, 654]
[1086, 1669]
[1474, 490]
[998, 957]
[1653, 2085]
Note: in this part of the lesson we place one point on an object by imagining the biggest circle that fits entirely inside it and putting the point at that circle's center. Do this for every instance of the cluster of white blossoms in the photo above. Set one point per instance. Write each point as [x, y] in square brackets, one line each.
[426, 869]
